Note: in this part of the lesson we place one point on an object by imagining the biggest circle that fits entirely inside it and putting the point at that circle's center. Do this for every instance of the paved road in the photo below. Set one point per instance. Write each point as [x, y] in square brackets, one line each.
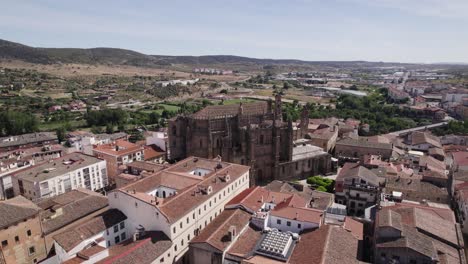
[398, 133]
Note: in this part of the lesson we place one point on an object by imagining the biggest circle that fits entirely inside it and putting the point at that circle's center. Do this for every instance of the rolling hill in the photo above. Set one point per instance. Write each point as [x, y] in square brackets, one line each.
[17, 51]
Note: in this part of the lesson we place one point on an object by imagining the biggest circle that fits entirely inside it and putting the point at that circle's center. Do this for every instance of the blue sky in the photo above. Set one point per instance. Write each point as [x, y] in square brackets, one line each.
[374, 30]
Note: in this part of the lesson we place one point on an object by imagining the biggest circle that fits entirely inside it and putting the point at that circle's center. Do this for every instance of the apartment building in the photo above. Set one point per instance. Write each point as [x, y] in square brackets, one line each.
[357, 187]
[61, 175]
[27, 141]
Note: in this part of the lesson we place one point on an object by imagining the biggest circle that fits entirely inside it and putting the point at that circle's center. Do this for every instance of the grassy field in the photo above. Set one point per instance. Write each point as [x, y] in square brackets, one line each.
[54, 125]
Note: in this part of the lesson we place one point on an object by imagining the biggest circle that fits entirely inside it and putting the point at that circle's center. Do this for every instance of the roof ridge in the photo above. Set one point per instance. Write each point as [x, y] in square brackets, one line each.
[226, 220]
[324, 253]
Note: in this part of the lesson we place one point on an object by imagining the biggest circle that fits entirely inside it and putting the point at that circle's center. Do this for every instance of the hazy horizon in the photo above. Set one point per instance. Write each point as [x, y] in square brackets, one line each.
[411, 31]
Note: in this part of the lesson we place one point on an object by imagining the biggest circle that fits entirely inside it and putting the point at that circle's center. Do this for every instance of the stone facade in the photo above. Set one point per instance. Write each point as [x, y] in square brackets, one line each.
[252, 134]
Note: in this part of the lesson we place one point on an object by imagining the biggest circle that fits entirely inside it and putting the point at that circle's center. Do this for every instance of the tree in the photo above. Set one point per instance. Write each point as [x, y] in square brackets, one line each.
[61, 134]
[322, 184]
[109, 128]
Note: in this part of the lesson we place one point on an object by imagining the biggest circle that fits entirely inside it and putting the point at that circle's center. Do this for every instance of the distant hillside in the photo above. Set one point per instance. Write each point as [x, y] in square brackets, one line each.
[12, 50]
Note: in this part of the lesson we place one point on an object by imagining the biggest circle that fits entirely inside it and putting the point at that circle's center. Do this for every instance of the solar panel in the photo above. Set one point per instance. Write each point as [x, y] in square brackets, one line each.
[275, 244]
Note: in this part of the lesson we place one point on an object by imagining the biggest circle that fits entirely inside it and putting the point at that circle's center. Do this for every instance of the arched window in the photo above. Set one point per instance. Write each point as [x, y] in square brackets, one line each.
[164, 194]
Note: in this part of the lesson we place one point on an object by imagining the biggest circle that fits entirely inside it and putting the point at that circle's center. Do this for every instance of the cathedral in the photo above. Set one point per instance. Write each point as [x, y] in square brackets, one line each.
[252, 134]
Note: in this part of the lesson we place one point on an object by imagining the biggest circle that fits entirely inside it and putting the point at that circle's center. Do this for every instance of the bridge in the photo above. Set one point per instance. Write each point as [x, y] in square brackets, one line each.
[421, 128]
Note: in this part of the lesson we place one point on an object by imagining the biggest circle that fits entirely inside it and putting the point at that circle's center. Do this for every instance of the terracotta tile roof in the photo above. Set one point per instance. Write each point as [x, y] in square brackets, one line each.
[216, 233]
[418, 137]
[355, 227]
[355, 170]
[72, 237]
[188, 185]
[74, 205]
[246, 243]
[147, 166]
[118, 148]
[430, 231]
[328, 244]
[460, 158]
[299, 214]
[152, 152]
[253, 199]
[144, 251]
[16, 210]
[324, 133]
[364, 143]
[89, 252]
[417, 190]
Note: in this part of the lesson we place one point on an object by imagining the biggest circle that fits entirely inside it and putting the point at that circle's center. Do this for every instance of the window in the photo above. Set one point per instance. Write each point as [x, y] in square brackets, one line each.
[204, 207]
[188, 237]
[175, 248]
[123, 236]
[117, 239]
[187, 220]
[180, 224]
[193, 216]
[174, 230]
[17, 239]
[182, 243]
[412, 261]
[210, 203]
[116, 228]
[4, 243]
[32, 251]
[199, 211]
[136, 204]
[122, 225]
[299, 225]
[278, 222]
[161, 260]
[288, 223]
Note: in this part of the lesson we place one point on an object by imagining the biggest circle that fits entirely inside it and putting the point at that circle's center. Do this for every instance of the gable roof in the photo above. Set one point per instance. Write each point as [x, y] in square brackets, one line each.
[143, 251]
[74, 236]
[69, 207]
[216, 233]
[16, 210]
[353, 170]
[329, 244]
[418, 137]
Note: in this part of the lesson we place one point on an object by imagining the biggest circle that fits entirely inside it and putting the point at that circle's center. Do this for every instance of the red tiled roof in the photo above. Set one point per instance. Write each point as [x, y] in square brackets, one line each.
[254, 199]
[126, 148]
[152, 151]
[355, 227]
[299, 214]
[216, 232]
[460, 158]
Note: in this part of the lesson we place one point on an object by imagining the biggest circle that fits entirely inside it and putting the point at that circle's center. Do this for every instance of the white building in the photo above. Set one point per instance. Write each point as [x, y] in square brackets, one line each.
[91, 239]
[60, 175]
[158, 138]
[180, 201]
